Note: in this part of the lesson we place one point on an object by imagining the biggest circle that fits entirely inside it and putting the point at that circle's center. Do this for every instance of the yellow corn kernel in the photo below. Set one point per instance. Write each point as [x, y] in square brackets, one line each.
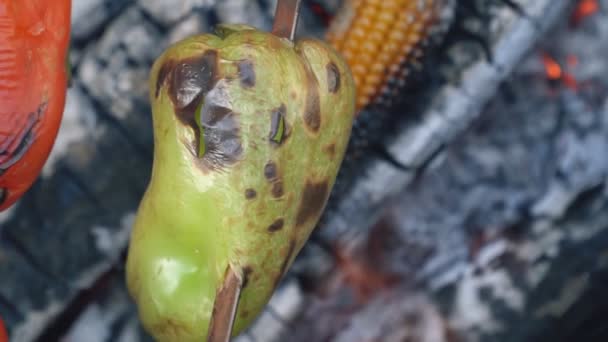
[380, 38]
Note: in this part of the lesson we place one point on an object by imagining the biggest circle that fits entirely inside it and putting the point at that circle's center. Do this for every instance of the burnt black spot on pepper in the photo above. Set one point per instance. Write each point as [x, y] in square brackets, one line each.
[313, 201]
[199, 101]
[333, 78]
[190, 80]
[246, 73]
[270, 171]
[312, 107]
[247, 270]
[163, 73]
[276, 225]
[250, 194]
[221, 135]
[278, 126]
[330, 150]
[277, 189]
[272, 175]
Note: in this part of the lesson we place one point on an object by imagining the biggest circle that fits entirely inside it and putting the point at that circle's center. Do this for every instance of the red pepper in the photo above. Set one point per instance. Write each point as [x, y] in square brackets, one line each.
[34, 40]
[3, 334]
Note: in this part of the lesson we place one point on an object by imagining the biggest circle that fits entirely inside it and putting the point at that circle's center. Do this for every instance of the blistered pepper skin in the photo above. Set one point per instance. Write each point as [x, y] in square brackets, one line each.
[249, 131]
[34, 39]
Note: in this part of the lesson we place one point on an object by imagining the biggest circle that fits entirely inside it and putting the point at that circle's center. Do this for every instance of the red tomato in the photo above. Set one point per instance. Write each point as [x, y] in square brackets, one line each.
[3, 334]
[34, 40]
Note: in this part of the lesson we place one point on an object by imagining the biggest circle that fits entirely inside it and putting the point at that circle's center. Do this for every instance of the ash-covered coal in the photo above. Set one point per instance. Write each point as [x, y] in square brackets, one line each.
[506, 232]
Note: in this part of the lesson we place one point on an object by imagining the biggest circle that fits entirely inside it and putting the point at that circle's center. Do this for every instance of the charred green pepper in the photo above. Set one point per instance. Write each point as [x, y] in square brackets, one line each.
[249, 132]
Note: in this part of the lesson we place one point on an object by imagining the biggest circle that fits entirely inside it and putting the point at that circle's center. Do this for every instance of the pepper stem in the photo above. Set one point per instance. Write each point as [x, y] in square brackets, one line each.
[286, 18]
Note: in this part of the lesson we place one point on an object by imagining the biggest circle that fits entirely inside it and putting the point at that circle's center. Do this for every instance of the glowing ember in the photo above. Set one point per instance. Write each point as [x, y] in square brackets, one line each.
[584, 9]
[555, 72]
[552, 68]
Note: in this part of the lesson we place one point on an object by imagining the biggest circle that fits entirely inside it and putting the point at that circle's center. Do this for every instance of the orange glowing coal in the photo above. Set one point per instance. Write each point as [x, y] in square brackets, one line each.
[555, 72]
[552, 68]
[584, 9]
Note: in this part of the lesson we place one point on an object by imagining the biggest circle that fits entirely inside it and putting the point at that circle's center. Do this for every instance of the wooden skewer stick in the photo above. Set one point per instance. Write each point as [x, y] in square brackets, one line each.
[225, 307]
[286, 18]
[227, 298]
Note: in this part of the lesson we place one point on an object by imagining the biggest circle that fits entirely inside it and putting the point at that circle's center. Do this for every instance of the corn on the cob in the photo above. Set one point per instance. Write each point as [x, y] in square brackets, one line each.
[381, 39]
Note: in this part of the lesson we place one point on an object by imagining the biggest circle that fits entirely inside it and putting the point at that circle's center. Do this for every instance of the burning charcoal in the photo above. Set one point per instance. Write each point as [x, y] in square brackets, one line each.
[274, 324]
[169, 13]
[89, 16]
[191, 25]
[115, 72]
[79, 120]
[243, 12]
[141, 43]
[131, 32]
[313, 264]
[395, 317]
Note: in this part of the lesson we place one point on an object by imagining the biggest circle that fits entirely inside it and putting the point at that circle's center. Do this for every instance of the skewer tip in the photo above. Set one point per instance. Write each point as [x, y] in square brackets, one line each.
[225, 307]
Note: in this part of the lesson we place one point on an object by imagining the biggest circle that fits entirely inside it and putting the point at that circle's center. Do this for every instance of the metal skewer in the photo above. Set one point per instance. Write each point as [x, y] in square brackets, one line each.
[286, 18]
[225, 307]
[227, 297]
